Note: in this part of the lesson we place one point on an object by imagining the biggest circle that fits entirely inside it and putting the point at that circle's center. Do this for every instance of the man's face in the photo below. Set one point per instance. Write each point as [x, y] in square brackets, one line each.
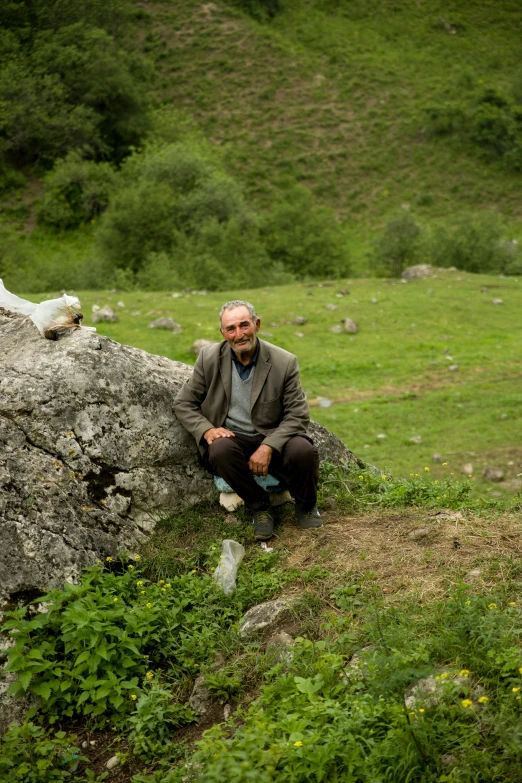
[239, 330]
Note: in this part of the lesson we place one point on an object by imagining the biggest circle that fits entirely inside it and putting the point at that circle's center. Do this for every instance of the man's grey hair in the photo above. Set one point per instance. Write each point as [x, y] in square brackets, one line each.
[238, 303]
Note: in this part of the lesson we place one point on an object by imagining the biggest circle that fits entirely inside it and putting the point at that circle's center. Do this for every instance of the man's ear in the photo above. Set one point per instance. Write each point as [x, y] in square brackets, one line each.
[258, 324]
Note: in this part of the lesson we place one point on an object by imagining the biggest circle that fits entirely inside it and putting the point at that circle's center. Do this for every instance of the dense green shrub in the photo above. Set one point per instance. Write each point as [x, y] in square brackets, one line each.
[76, 192]
[177, 219]
[304, 237]
[397, 247]
[157, 715]
[491, 123]
[32, 754]
[66, 82]
[474, 243]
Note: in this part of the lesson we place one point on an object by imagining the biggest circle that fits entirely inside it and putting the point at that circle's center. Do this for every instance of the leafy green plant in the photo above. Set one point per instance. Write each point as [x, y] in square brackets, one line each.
[397, 246]
[32, 754]
[157, 715]
[224, 684]
[76, 192]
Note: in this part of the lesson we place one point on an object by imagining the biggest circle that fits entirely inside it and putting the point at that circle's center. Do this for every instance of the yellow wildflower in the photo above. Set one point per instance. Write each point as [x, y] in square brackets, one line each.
[168, 584]
[130, 567]
[515, 689]
[115, 599]
[492, 606]
[149, 675]
[139, 583]
[297, 744]
[512, 603]
[149, 606]
[520, 670]
[467, 703]
[464, 673]
[468, 603]
[444, 464]
[483, 700]
[143, 592]
[421, 709]
[361, 477]
[133, 696]
[161, 582]
[137, 557]
[109, 559]
[427, 469]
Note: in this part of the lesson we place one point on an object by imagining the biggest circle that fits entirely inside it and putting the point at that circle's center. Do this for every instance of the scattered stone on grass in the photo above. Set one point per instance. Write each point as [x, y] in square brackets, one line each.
[120, 304]
[331, 306]
[467, 469]
[416, 439]
[300, 320]
[227, 711]
[263, 617]
[166, 323]
[453, 367]
[497, 301]
[279, 645]
[112, 762]
[420, 534]
[201, 700]
[430, 689]
[450, 516]
[198, 345]
[472, 575]
[336, 329]
[417, 272]
[298, 334]
[350, 326]
[492, 473]
[437, 457]
[104, 314]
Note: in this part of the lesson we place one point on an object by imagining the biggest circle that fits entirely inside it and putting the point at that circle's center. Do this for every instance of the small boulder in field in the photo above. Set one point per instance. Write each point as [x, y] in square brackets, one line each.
[166, 323]
[416, 439]
[437, 457]
[492, 473]
[331, 307]
[497, 301]
[420, 534]
[104, 314]
[198, 345]
[336, 329]
[350, 326]
[467, 469]
[417, 272]
[200, 699]
[299, 320]
[263, 616]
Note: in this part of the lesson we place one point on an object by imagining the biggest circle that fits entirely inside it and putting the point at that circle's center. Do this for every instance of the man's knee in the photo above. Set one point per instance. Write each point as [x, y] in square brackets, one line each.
[221, 451]
[300, 453]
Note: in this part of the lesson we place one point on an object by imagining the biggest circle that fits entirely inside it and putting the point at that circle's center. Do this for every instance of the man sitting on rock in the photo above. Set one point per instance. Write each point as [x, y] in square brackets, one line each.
[245, 407]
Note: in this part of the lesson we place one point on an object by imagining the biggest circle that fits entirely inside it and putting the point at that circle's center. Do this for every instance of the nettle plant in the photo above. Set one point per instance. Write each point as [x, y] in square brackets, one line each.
[92, 646]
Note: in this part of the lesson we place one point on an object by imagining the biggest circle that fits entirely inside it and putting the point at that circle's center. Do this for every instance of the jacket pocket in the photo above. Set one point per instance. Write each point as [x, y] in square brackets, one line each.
[268, 414]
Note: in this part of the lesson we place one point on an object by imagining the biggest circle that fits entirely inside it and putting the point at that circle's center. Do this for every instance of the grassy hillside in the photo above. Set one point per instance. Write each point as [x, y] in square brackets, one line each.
[333, 94]
[393, 378]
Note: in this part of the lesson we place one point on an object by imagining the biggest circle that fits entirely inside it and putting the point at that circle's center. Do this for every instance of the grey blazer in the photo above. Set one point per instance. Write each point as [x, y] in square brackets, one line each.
[278, 404]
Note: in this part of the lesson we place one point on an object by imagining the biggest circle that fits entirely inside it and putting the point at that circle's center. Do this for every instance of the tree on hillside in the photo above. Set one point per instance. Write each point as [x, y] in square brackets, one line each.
[69, 80]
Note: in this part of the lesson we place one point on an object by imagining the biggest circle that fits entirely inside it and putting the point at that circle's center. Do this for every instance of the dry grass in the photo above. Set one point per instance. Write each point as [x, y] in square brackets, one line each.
[386, 546]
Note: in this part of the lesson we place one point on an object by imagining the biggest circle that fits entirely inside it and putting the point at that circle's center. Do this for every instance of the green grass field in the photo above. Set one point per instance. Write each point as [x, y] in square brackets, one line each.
[393, 378]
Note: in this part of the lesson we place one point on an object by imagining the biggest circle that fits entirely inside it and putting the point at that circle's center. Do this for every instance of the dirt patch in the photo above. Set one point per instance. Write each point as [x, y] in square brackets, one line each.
[392, 546]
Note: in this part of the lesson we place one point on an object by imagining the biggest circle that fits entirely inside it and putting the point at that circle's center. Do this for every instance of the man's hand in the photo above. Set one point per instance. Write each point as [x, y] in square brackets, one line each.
[217, 432]
[260, 460]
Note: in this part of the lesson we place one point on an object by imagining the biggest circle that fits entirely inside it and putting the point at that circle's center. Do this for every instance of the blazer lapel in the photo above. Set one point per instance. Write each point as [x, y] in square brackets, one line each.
[225, 369]
[263, 367]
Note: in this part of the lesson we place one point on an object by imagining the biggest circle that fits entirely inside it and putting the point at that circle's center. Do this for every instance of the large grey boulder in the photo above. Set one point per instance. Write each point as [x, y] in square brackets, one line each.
[91, 453]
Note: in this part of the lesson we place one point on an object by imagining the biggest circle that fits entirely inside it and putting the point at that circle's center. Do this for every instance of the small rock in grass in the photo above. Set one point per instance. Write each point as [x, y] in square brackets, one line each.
[227, 711]
[437, 457]
[120, 304]
[299, 320]
[416, 439]
[497, 301]
[336, 329]
[200, 699]
[373, 300]
[381, 436]
[453, 367]
[472, 575]
[420, 533]
[198, 345]
[447, 760]
[166, 323]
[350, 326]
[298, 334]
[263, 616]
[112, 762]
[491, 473]
[417, 272]
[344, 292]
[331, 307]
[104, 314]
[279, 645]
[467, 469]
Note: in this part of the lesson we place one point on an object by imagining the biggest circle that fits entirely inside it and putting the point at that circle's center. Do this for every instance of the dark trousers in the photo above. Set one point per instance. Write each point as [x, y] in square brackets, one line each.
[297, 465]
